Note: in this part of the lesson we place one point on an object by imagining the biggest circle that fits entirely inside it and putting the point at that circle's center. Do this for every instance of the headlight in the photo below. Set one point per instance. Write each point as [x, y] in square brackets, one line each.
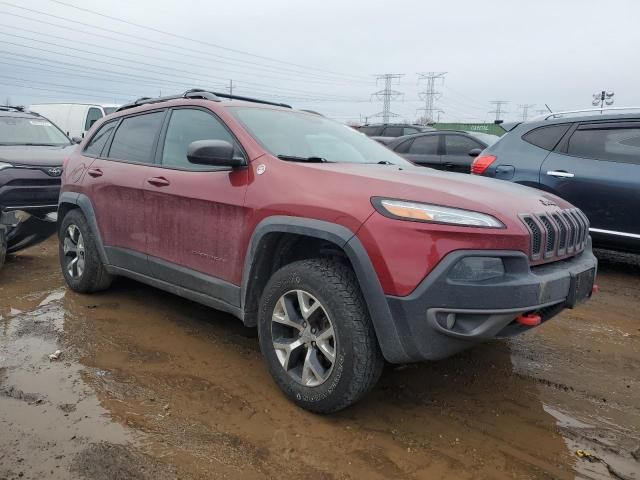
[4, 165]
[422, 212]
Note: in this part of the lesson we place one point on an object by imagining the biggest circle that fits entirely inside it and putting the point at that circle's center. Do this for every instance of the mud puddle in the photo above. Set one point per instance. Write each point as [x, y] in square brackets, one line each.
[158, 387]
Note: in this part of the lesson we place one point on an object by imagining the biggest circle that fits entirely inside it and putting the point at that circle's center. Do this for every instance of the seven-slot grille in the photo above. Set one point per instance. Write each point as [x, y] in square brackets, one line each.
[556, 234]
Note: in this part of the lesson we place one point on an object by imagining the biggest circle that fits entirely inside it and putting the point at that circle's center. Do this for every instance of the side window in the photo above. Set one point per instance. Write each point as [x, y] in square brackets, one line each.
[613, 144]
[99, 139]
[93, 116]
[404, 146]
[546, 137]
[135, 138]
[368, 130]
[427, 145]
[186, 126]
[409, 131]
[392, 132]
[459, 145]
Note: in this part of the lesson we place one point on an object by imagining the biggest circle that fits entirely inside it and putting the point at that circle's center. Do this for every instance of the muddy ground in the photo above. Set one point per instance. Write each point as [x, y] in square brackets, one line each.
[152, 386]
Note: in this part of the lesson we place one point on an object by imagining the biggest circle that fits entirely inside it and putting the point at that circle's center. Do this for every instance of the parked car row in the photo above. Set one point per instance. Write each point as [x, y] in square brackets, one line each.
[313, 233]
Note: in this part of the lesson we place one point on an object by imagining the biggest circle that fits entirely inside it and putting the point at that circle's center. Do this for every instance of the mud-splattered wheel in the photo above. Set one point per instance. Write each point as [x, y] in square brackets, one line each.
[317, 337]
[81, 266]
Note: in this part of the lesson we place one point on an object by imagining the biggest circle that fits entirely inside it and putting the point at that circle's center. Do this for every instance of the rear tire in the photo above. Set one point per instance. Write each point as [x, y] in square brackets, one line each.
[326, 360]
[81, 266]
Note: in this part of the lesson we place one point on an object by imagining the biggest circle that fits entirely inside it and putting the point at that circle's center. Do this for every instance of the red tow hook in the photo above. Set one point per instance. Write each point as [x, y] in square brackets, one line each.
[529, 319]
[595, 289]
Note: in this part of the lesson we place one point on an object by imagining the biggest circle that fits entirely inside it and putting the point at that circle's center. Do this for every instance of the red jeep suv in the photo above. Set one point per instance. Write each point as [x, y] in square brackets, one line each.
[342, 253]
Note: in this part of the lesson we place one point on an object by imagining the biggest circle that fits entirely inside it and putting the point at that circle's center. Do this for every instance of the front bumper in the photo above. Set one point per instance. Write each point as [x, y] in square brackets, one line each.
[442, 317]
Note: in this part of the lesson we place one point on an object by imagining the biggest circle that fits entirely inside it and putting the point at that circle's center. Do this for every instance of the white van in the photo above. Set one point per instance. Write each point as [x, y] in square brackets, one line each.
[73, 118]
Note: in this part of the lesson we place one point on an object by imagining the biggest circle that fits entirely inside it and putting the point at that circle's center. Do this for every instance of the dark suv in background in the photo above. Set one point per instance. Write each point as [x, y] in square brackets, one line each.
[589, 158]
[32, 150]
[450, 150]
[386, 132]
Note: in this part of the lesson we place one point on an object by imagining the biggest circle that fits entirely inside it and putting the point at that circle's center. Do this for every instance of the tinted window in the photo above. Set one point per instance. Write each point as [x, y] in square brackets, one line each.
[186, 126]
[135, 138]
[368, 130]
[98, 141]
[93, 116]
[404, 146]
[409, 131]
[427, 145]
[459, 145]
[614, 144]
[392, 132]
[546, 137]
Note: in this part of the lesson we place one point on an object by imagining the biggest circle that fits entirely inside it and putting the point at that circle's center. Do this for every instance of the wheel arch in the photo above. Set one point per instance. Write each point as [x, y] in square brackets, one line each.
[73, 200]
[260, 262]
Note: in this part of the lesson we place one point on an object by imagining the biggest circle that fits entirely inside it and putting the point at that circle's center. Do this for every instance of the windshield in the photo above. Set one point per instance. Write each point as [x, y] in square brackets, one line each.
[296, 134]
[30, 131]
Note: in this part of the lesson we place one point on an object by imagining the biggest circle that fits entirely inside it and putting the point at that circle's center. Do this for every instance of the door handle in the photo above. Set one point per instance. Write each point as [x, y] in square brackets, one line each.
[560, 174]
[95, 172]
[159, 181]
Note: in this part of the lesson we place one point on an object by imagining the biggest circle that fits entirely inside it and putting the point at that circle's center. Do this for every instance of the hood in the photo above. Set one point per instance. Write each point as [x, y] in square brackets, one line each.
[496, 197]
[44, 156]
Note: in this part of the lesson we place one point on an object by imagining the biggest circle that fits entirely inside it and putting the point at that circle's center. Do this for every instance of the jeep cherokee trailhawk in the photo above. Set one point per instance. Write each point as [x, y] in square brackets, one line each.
[342, 253]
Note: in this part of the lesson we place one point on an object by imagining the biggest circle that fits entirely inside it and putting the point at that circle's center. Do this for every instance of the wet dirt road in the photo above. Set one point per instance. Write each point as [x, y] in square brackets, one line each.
[149, 385]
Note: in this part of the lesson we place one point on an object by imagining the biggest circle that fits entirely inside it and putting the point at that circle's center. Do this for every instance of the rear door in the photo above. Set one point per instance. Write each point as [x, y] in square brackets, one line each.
[195, 213]
[597, 168]
[456, 156]
[115, 181]
[423, 150]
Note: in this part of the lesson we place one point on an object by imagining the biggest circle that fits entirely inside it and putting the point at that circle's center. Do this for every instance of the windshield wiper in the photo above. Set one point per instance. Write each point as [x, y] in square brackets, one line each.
[294, 158]
[384, 162]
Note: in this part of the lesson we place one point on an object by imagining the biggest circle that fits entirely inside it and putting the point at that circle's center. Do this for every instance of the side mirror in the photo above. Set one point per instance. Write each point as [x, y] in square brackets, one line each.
[218, 153]
[474, 152]
[76, 140]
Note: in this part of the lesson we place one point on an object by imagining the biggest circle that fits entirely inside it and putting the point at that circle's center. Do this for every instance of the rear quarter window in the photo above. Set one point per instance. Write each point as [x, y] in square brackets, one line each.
[546, 137]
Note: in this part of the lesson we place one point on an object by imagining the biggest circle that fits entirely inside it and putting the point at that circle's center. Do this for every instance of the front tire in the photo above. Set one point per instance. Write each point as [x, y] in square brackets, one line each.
[81, 266]
[317, 337]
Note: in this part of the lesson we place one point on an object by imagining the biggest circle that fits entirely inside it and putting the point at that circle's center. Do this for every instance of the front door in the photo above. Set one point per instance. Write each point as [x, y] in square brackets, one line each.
[456, 156]
[116, 181]
[425, 151]
[195, 213]
[597, 169]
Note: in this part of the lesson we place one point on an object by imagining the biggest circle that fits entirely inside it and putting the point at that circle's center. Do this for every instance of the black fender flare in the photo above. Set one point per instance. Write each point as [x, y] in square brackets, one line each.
[384, 326]
[82, 202]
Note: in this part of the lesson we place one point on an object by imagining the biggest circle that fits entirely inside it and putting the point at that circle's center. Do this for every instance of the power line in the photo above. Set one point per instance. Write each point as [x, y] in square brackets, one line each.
[99, 57]
[201, 42]
[498, 107]
[293, 75]
[430, 95]
[387, 94]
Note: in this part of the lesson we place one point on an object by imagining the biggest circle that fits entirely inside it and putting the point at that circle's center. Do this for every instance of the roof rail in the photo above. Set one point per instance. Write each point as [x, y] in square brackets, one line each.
[17, 108]
[197, 93]
[547, 116]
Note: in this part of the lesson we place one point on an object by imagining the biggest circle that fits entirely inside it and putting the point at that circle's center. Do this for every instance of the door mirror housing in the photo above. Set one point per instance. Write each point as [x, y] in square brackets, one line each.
[76, 140]
[474, 152]
[217, 153]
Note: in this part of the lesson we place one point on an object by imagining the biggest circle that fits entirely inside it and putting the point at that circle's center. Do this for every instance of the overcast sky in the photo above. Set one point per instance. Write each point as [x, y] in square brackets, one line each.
[324, 55]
